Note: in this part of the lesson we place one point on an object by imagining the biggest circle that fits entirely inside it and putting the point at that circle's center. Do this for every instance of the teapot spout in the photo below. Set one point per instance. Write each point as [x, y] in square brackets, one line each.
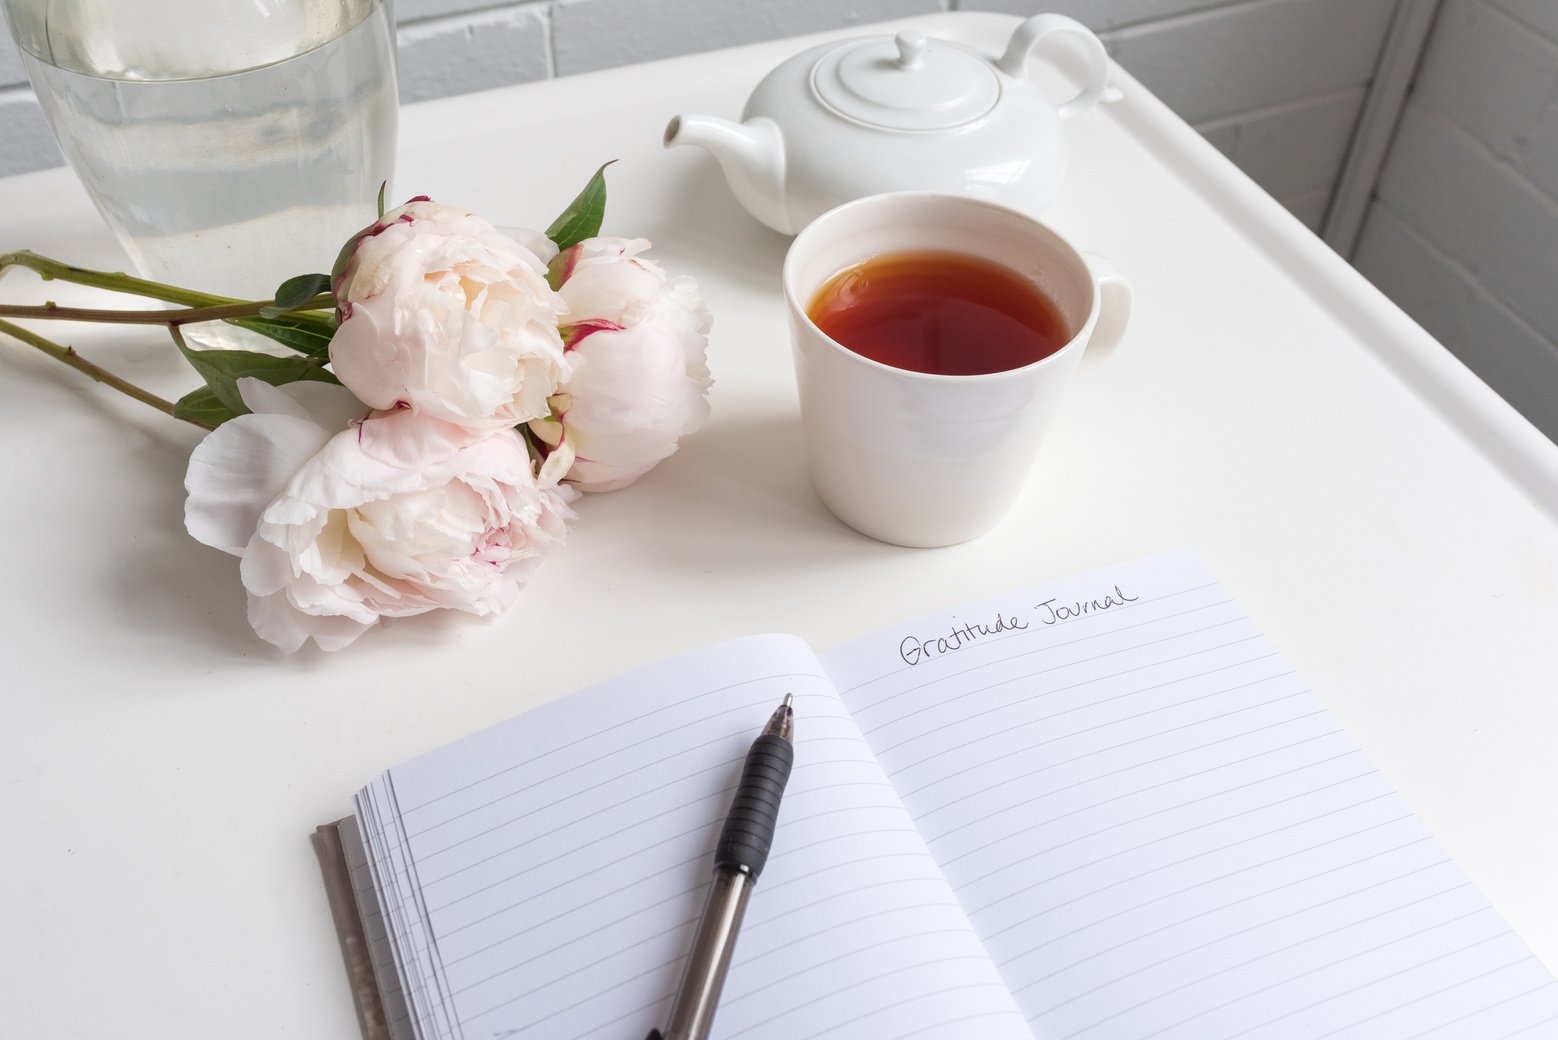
[752, 156]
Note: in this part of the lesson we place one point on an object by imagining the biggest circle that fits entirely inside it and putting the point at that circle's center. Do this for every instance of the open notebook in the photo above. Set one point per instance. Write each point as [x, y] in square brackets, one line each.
[1100, 809]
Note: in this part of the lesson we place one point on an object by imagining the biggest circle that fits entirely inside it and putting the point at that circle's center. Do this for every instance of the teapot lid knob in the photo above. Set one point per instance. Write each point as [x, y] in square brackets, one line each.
[906, 82]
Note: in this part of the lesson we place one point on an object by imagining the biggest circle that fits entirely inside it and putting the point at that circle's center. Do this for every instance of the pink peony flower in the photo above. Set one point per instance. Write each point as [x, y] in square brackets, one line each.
[640, 381]
[339, 525]
[445, 314]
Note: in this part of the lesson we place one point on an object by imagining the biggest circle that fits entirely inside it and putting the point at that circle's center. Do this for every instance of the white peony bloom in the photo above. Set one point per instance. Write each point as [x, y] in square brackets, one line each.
[445, 314]
[638, 339]
[396, 514]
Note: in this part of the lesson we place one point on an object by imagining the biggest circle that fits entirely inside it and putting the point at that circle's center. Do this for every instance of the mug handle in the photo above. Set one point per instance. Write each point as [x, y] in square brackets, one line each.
[1032, 32]
[1114, 311]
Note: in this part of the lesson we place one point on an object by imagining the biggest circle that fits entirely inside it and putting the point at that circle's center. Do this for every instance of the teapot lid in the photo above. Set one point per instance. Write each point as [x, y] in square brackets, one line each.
[907, 82]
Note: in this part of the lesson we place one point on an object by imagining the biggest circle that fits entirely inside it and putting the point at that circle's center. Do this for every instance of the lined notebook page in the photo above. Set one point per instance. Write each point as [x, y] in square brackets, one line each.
[1160, 833]
[546, 874]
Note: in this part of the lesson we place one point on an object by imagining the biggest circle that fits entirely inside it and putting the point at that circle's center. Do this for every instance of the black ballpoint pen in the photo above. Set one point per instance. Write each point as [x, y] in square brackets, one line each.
[738, 860]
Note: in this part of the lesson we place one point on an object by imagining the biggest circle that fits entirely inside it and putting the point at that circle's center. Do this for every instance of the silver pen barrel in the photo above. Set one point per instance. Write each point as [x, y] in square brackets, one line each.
[739, 857]
[697, 998]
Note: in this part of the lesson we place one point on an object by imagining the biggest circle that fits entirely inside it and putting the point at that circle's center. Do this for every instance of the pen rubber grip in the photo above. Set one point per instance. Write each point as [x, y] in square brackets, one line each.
[749, 827]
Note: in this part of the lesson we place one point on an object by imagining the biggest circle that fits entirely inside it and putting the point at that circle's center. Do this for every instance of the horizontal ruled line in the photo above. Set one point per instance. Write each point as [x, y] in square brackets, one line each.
[736, 737]
[1123, 744]
[712, 820]
[1172, 808]
[1093, 704]
[960, 1020]
[597, 735]
[1207, 881]
[1159, 868]
[729, 1001]
[1221, 907]
[1524, 1030]
[836, 924]
[1126, 795]
[1324, 967]
[1439, 990]
[790, 1009]
[1208, 944]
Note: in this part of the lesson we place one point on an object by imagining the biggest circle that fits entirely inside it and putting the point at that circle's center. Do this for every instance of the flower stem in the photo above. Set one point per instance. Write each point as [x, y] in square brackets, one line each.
[69, 356]
[116, 280]
[237, 309]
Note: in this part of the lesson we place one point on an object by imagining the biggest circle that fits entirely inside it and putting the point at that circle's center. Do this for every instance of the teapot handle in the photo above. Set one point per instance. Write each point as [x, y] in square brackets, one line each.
[1035, 30]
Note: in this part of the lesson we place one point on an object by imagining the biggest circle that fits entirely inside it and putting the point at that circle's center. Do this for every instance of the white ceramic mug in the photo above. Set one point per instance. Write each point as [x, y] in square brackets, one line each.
[920, 459]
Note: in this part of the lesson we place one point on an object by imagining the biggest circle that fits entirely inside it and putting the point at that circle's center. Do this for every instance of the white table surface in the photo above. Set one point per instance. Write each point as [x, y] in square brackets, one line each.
[1389, 521]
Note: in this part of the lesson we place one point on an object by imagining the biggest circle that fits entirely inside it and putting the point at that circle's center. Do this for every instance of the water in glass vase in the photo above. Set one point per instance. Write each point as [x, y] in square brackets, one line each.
[226, 151]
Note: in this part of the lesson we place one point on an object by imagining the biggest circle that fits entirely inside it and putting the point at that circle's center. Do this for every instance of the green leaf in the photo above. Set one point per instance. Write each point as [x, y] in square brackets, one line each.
[221, 369]
[383, 186]
[305, 333]
[582, 218]
[295, 293]
[203, 406]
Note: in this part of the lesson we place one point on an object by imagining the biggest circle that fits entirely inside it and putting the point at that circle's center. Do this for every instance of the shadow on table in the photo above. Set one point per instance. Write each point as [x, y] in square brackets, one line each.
[187, 595]
[698, 226]
[736, 497]
[173, 590]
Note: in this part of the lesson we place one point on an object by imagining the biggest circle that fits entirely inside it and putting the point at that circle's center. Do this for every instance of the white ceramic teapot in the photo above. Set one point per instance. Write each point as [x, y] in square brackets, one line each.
[882, 113]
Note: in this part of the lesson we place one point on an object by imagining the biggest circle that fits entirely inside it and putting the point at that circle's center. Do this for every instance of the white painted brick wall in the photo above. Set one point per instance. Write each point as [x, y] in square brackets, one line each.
[1218, 62]
[1098, 15]
[1454, 193]
[1275, 83]
[1498, 80]
[1290, 149]
[416, 10]
[1463, 229]
[1541, 15]
[473, 51]
[1309, 206]
[1509, 353]
[597, 34]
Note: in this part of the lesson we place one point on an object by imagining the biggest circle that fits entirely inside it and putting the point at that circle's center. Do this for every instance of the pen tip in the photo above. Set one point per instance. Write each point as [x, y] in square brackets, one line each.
[782, 722]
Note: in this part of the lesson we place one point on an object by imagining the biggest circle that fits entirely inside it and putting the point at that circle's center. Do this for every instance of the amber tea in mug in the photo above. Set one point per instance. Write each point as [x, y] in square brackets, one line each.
[939, 312]
[928, 370]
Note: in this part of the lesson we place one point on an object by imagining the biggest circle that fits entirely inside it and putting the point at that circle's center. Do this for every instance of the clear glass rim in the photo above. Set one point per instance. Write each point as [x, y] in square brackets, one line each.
[29, 22]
